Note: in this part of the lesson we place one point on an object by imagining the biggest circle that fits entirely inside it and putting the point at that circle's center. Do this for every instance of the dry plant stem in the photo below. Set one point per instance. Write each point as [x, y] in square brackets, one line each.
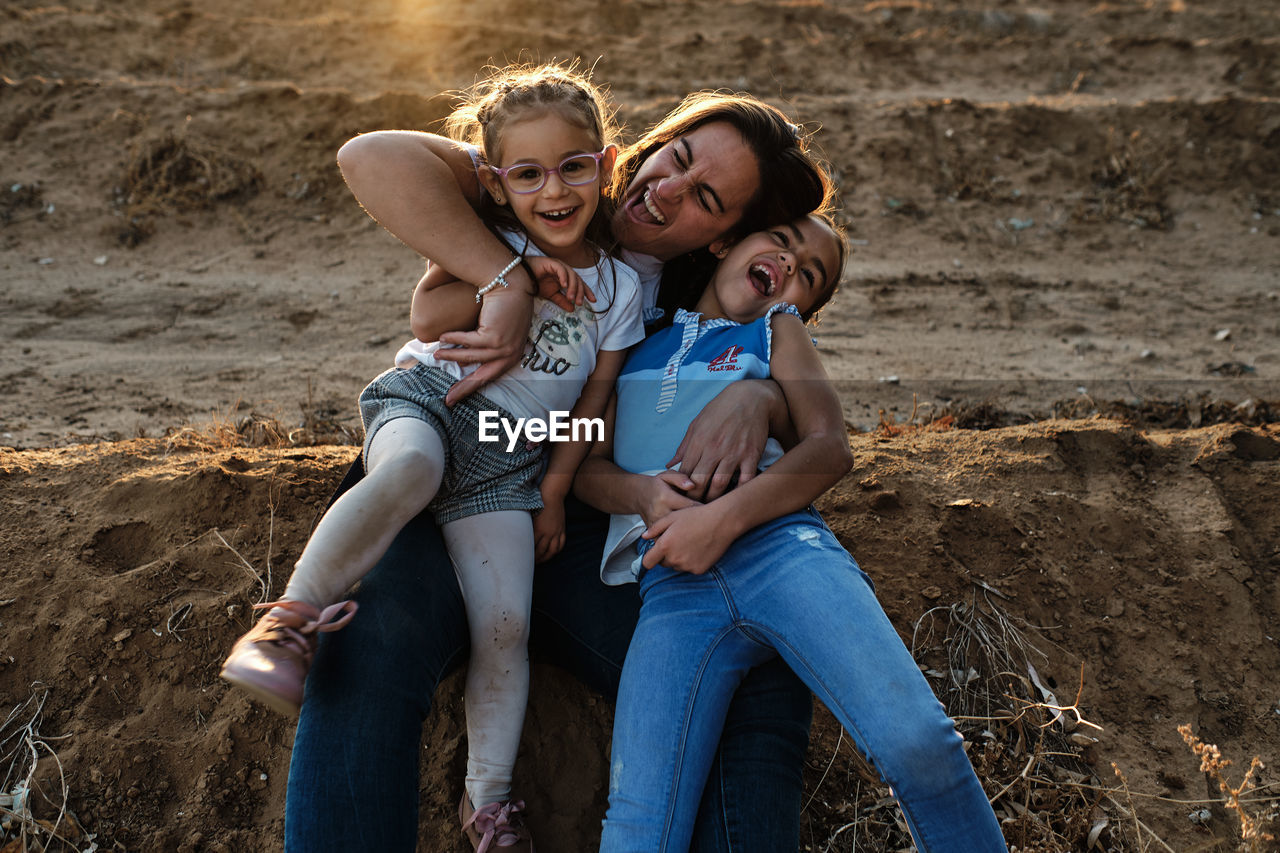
[818, 787]
[25, 757]
[248, 567]
[1212, 763]
[1133, 812]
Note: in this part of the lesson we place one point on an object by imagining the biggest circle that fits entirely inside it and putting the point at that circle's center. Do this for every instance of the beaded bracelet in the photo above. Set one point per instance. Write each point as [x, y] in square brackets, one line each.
[500, 278]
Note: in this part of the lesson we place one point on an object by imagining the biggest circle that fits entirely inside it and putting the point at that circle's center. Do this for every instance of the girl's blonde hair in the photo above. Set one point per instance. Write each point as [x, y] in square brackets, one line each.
[506, 93]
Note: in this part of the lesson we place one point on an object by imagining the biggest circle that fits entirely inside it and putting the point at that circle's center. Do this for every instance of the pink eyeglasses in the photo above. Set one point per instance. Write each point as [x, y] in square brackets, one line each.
[575, 171]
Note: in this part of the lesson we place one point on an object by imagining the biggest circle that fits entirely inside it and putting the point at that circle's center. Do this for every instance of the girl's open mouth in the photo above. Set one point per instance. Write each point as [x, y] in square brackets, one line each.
[764, 278]
[556, 217]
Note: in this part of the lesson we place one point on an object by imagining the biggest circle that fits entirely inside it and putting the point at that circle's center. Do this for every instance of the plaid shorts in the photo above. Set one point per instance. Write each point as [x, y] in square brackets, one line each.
[479, 476]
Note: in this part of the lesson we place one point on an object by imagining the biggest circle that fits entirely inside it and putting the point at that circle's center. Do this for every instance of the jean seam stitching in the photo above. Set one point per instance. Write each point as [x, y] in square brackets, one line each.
[859, 737]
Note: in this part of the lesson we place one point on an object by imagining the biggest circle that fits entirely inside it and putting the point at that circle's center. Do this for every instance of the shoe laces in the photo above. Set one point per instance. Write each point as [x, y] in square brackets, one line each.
[292, 625]
[499, 824]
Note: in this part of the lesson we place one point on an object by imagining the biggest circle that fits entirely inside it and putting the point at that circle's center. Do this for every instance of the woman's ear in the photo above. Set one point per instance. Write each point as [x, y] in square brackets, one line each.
[493, 184]
[606, 167]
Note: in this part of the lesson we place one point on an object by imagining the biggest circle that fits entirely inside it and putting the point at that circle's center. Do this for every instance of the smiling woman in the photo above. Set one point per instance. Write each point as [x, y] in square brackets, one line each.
[688, 192]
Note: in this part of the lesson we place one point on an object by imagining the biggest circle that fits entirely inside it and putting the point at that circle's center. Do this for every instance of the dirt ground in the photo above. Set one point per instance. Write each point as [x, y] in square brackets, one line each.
[1066, 220]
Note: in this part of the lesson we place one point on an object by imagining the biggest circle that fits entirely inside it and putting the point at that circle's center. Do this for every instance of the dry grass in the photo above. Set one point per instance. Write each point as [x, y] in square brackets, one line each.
[316, 425]
[177, 173]
[1033, 752]
[1256, 815]
[1128, 185]
[33, 815]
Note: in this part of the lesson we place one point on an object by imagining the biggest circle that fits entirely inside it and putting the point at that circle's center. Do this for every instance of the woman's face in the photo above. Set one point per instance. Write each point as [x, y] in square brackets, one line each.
[691, 191]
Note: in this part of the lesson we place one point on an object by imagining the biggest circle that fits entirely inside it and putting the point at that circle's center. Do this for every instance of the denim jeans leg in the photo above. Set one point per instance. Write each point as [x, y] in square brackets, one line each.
[578, 622]
[356, 748]
[685, 662]
[796, 588]
[752, 799]
[751, 803]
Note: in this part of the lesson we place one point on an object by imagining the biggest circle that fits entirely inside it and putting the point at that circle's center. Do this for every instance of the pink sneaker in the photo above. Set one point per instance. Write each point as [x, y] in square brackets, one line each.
[271, 661]
[495, 825]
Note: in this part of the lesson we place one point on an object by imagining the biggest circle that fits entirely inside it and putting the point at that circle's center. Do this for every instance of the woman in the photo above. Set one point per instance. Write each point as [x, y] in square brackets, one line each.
[716, 167]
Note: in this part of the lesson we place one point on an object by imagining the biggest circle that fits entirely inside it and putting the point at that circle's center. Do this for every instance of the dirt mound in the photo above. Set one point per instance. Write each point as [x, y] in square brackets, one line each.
[1110, 559]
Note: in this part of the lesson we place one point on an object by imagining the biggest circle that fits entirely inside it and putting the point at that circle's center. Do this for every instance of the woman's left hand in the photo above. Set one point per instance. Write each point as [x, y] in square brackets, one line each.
[689, 540]
[727, 437]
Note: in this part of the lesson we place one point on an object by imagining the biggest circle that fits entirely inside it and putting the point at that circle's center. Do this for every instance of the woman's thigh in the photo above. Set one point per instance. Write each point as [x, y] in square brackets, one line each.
[578, 623]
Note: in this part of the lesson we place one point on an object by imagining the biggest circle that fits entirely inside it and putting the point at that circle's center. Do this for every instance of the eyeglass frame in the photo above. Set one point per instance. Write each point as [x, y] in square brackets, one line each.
[501, 172]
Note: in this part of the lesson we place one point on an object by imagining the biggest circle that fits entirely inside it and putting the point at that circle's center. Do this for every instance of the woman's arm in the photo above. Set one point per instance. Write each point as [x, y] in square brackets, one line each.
[442, 304]
[728, 435]
[423, 189]
[693, 539]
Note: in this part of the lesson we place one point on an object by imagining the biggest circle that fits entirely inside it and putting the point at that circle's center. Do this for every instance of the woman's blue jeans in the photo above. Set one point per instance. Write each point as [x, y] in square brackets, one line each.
[785, 589]
[353, 780]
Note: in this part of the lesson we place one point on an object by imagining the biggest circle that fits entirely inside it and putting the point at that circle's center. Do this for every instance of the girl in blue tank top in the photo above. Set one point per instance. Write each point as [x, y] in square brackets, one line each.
[754, 574]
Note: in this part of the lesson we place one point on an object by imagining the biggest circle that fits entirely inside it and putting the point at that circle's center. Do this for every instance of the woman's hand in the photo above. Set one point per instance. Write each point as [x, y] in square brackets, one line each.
[559, 282]
[689, 540]
[727, 437]
[497, 343]
[664, 494]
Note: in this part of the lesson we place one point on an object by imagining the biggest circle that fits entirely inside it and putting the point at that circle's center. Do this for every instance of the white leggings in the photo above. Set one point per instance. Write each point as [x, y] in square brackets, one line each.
[492, 554]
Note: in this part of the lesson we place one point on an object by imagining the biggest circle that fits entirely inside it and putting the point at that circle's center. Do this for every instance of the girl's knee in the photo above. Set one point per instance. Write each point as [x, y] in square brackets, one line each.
[504, 630]
[410, 471]
[922, 747]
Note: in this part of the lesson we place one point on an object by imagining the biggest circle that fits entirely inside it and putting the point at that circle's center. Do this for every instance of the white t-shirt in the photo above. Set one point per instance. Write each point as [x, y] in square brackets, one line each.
[560, 352]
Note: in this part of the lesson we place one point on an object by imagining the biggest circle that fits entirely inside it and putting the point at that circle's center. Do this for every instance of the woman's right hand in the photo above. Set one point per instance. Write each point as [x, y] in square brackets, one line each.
[664, 494]
[497, 344]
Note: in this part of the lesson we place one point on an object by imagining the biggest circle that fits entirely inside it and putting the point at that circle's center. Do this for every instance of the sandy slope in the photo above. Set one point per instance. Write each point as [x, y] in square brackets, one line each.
[1058, 209]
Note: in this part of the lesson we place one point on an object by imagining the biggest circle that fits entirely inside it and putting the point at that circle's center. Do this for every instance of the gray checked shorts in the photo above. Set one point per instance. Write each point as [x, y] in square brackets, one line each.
[478, 476]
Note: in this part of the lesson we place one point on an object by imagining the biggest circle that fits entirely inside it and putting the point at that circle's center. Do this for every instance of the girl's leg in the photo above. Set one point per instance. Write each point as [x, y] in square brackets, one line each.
[752, 797]
[686, 660]
[356, 748]
[405, 462]
[797, 589]
[493, 556]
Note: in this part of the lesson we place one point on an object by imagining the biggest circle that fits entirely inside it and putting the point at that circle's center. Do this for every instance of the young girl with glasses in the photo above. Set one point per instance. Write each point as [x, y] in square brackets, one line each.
[545, 150]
